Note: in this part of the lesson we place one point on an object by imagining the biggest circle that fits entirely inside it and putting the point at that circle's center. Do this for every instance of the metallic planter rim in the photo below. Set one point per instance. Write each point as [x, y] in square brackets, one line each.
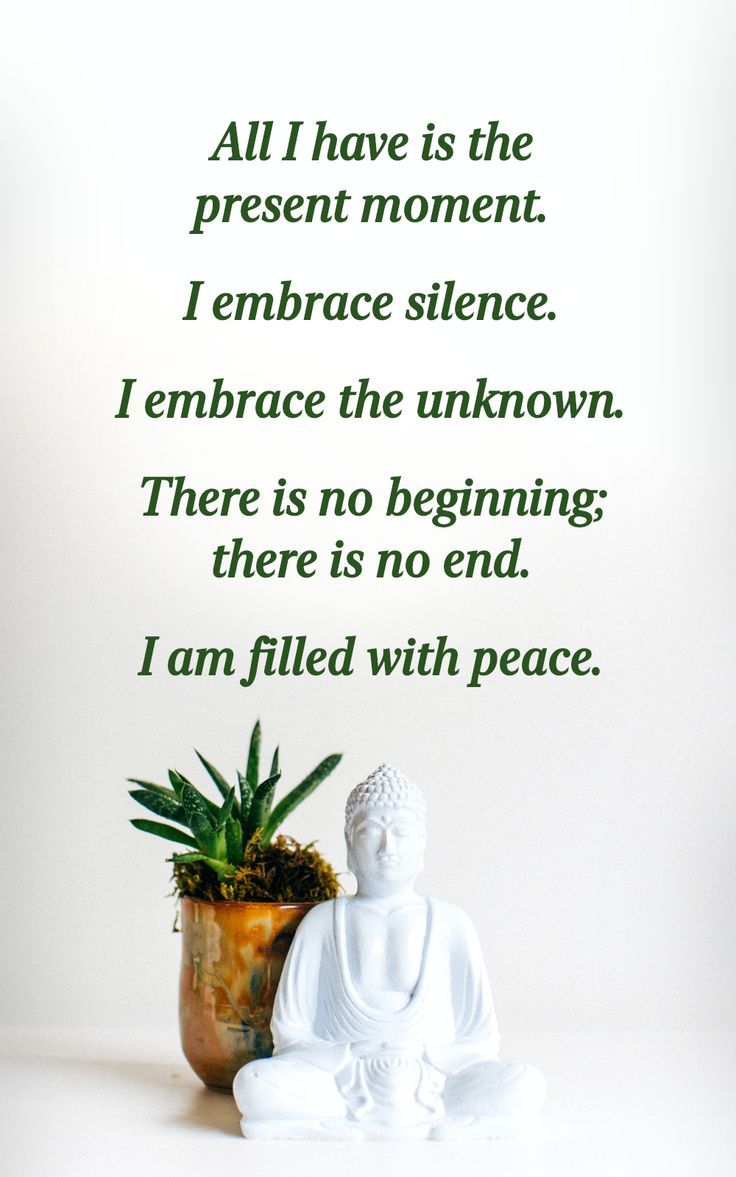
[251, 902]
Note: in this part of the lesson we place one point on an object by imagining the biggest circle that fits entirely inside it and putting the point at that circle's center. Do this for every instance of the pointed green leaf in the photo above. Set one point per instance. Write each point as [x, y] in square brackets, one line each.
[275, 763]
[203, 831]
[246, 798]
[180, 783]
[194, 803]
[234, 841]
[261, 806]
[163, 806]
[297, 795]
[226, 810]
[222, 785]
[266, 788]
[162, 792]
[220, 850]
[162, 831]
[254, 753]
[177, 781]
[218, 865]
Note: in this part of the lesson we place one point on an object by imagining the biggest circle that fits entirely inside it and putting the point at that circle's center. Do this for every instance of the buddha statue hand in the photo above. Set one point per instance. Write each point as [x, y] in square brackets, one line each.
[391, 1085]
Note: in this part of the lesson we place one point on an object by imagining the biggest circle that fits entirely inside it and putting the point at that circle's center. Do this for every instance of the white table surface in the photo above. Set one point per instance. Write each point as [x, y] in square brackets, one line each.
[97, 1103]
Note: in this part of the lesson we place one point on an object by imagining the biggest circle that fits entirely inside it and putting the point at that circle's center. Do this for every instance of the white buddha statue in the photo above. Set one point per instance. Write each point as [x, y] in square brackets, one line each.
[383, 1025]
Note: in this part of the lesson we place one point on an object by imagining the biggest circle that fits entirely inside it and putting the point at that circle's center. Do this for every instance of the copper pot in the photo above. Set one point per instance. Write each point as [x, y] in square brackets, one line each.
[232, 957]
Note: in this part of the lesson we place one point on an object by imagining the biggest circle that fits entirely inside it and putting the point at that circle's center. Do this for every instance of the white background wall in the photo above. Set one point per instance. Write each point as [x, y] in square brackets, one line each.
[586, 824]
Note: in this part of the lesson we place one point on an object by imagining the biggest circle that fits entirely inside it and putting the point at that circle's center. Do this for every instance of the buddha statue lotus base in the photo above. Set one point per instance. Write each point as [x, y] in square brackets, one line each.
[383, 1024]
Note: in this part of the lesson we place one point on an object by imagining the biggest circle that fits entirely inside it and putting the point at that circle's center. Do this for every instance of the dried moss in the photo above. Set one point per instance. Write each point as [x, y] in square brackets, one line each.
[283, 872]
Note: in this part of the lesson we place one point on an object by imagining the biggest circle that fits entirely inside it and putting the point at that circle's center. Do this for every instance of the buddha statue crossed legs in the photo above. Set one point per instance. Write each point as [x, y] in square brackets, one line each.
[383, 1024]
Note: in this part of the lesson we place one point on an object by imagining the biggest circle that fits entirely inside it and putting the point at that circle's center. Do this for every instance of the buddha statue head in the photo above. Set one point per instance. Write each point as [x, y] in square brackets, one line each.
[385, 832]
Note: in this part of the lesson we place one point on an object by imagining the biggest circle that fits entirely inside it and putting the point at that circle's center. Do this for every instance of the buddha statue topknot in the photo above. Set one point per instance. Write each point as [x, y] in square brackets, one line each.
[389, 788]
[383, 1025]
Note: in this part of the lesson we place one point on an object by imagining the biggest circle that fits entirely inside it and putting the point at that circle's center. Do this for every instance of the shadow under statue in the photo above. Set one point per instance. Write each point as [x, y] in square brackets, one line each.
[383, 1025]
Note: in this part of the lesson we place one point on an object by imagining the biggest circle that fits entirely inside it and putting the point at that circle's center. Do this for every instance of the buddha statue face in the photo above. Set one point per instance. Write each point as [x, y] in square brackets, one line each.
[385, 848]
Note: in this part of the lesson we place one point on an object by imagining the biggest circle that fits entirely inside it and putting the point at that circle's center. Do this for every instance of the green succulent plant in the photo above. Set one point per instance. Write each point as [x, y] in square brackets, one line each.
[218, 832]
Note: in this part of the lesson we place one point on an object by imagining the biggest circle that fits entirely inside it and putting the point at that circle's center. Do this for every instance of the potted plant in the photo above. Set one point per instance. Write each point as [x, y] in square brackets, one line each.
[243, 890]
